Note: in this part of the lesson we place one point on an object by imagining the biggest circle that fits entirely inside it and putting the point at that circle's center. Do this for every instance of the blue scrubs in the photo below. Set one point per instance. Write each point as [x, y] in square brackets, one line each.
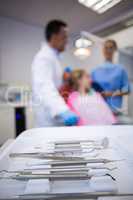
[112, 77]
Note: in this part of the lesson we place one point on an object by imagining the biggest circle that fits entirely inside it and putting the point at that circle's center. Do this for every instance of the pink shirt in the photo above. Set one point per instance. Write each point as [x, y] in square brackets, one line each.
[91, 109]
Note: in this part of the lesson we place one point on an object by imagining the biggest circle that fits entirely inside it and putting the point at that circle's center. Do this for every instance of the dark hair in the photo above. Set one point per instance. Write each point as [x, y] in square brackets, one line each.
[113, 43]
[53, 27]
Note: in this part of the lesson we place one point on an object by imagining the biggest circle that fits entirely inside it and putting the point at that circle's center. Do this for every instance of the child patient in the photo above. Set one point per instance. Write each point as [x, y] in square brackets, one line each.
[86, 103]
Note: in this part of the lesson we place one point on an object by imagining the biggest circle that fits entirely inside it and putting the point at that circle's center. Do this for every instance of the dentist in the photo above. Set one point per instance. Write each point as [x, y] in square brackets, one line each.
[49, 107]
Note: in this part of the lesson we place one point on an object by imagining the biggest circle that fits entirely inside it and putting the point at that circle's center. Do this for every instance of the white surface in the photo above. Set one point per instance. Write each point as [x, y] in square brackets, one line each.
[35, 186]
[19, 43]
[5, 145]
[29, 118]
[97, 184]
[120, 138]
[103, 184]
[7, 124]
[124, 38]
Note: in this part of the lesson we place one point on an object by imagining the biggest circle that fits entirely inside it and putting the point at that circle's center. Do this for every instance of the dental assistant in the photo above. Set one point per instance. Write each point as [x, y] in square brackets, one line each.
[112, 78]
[49, 107]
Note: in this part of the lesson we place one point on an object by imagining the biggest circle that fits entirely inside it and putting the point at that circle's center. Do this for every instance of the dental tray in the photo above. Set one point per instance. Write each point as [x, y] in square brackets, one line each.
[69, 174]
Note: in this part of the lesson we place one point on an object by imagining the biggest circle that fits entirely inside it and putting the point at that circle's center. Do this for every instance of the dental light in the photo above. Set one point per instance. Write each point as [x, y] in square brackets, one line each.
[82, 46]
[99, 6]
[82, 53]
[83, 42]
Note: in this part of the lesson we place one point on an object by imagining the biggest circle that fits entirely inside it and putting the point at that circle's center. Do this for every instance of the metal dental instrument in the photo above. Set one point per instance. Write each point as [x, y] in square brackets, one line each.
[104, 142]
[57, 173]
[55, 156]
[80, 146]
[69, 168]
[72, 196]
[66, 172]
[44, 156]
[24, 176]
[94, 195]
[49, 176]
[65, 160]
[93, 160]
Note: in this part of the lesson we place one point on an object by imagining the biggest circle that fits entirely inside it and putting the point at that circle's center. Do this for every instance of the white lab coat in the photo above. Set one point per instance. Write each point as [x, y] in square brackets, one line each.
[46, 79]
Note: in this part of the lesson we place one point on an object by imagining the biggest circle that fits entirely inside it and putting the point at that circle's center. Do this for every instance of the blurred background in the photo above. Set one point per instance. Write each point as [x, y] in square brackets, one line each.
[22, 25]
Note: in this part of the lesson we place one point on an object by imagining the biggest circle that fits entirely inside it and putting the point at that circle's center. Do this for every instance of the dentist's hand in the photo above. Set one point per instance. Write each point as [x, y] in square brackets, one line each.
[69, 118]
[107, 94]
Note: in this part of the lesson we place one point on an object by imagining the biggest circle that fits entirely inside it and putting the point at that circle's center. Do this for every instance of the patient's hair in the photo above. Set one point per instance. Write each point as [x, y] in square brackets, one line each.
[76, 75]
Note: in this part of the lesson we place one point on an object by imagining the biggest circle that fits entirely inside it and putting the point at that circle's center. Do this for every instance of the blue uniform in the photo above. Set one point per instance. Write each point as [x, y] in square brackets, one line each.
[112, 77]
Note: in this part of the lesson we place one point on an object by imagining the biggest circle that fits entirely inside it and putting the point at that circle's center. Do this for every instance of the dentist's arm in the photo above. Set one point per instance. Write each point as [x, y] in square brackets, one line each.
[48, 93]
[124, 87]
[117, 93]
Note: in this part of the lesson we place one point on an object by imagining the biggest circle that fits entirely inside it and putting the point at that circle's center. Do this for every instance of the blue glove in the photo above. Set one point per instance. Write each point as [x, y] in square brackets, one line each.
[69, 118]
[68, 69]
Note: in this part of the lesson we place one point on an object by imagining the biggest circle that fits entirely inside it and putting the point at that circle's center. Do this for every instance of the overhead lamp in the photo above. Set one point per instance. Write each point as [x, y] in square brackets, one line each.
[83, 42]
[108, 6]
[99, 6]
[82, 53]
[88, 3]
[82, 46]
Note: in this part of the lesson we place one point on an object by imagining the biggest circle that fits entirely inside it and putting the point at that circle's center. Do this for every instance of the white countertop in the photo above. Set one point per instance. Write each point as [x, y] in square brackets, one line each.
[13, 105]
[121, 138]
